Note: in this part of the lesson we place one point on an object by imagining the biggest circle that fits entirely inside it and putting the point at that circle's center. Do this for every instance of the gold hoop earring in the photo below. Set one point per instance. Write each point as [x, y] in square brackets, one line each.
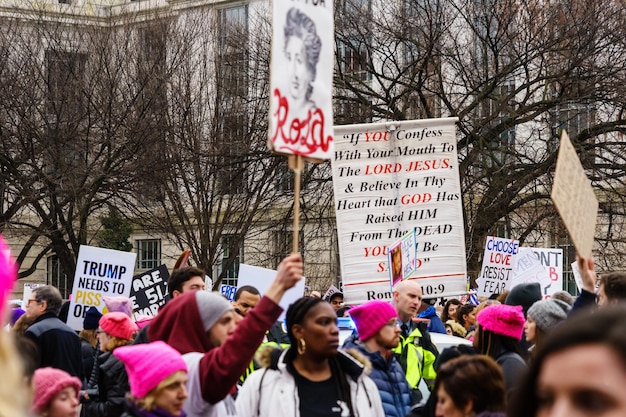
[301, 347]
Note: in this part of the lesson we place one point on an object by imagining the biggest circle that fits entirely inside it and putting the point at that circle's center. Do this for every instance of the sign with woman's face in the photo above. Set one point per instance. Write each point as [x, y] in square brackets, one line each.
[301, 79]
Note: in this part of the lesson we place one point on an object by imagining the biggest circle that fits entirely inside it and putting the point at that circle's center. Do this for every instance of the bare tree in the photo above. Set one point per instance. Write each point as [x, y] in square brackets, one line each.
[515, 73]
[70, 107]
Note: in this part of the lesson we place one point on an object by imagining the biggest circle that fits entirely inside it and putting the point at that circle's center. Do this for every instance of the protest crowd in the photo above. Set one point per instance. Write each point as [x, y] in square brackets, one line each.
[519, 354]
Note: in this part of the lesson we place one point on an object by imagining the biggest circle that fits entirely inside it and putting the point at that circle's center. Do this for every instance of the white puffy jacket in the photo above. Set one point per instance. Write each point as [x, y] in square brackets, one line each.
[272, 392]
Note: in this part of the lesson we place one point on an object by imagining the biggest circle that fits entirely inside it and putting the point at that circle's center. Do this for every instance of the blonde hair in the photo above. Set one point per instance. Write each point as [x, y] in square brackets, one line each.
[13, 389]
[89, 336]
[114, 342]
[148, 402]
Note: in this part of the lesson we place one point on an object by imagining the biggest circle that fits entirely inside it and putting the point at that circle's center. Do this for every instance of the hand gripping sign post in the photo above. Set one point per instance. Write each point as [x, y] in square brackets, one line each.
[301, 86]
[391, 178]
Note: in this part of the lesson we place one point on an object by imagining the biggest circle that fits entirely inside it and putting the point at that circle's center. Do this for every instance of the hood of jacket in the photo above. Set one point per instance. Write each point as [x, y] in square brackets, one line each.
[357, 349]
[353, 363]
[429, 313]
[179, 325]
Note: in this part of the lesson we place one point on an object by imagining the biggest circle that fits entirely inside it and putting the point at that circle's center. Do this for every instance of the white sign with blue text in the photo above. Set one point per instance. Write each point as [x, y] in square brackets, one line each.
[99, 272]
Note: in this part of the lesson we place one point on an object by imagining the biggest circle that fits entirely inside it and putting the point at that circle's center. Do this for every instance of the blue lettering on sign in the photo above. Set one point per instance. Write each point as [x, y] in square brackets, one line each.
[228, 291]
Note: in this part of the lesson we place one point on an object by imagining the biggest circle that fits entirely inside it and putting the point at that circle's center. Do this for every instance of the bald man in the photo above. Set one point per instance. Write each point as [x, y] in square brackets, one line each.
[416, 353]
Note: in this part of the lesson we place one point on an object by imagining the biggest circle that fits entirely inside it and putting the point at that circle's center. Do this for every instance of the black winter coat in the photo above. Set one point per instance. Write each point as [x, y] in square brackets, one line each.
[112, 388]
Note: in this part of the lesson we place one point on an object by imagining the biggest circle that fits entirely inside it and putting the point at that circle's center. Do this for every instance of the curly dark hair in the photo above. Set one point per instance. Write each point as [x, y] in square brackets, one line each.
[300, 25]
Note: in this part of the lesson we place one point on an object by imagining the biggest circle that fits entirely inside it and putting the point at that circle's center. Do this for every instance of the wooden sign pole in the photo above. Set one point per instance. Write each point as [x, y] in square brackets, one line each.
[296, 163]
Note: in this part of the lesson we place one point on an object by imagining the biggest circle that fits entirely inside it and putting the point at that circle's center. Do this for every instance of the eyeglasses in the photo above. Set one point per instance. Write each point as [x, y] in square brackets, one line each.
[31, 299]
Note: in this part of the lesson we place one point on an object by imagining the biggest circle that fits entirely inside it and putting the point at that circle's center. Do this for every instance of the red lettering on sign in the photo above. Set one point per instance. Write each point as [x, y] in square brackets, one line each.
[299, 136]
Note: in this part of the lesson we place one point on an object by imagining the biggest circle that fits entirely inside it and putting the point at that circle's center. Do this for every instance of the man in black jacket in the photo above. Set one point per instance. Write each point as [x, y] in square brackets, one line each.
[58, 344]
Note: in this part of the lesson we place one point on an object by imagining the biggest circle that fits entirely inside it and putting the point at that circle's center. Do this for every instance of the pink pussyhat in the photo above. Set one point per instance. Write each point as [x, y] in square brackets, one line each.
[8, 273]
[149, 364]
[47, 383]
[503, 320]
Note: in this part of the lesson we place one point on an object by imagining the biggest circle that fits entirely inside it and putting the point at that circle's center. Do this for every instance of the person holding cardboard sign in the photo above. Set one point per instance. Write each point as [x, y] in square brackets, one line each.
[216, 347]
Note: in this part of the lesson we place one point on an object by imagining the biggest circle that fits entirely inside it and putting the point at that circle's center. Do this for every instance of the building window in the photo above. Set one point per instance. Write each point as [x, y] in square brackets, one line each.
[56, 277]
[285, 179]
[231, 258]
[283, 245]
[65, 74]
[498, 125]
[232, 51]
[349, 111]
[353, 59]
[148, 253]
[232, 155]
[574, 118]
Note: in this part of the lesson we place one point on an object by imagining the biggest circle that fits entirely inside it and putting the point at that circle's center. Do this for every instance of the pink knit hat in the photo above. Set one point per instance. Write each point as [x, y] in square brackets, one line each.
[149, 364]
[142, 321]
[371, 317]
[121, 304]
[48, 382]
[503, 320]
[118, 325]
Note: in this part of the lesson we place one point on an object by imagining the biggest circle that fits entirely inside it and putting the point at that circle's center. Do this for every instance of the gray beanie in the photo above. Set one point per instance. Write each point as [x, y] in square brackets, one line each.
[547, 313]
[211, 306]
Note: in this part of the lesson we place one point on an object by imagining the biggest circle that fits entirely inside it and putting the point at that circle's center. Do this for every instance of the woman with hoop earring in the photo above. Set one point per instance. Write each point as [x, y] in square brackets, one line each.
[312, 377]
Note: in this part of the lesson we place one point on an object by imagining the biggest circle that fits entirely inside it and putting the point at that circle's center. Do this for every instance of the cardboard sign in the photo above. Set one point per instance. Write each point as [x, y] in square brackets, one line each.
[391, 179]
[497, 268]
[261, 278]
[331, 290]
[148, 291]
[402, 258]
[99, 272]
[577, 277]
[301, 78]
[574, 198]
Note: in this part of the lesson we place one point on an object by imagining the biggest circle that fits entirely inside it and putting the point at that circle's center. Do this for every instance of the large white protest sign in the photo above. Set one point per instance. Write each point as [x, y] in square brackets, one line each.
[552, 261]
[261, 278]
[497, 268]
[389, 179]
[99, 272]
[301, 78]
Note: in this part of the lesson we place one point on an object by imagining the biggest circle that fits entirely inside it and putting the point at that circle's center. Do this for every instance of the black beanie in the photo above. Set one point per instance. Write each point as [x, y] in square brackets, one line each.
[524, 295]
[92, 317]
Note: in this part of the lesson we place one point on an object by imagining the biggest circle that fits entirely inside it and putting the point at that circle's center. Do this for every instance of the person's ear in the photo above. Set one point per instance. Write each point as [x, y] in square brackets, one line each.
[469, 407]
[298, 331]
[176, 293]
